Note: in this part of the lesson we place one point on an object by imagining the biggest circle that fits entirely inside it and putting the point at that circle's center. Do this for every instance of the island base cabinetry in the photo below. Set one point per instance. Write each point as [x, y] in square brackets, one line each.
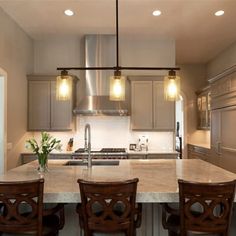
[151, 222]
[150, 226]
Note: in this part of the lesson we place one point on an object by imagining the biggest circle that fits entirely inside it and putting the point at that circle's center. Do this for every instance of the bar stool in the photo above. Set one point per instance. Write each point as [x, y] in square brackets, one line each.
[109, 207]
[205, 208]
[22, 211]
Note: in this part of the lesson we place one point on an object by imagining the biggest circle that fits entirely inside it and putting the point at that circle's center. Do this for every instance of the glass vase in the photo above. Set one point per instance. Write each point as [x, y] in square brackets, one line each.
[43, 162]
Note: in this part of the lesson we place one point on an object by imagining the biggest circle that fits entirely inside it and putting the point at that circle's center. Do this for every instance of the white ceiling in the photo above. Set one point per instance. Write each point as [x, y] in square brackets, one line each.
[199, 35]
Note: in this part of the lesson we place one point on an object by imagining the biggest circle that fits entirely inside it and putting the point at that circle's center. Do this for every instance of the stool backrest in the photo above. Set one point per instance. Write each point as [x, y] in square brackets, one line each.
[108, 206]
[21, 206]
[206, 207]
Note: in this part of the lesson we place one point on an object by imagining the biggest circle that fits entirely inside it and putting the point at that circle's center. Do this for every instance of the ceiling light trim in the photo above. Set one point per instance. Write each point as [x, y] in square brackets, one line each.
[219, 13]
[156, 13]
[68, 12]
[118, 67]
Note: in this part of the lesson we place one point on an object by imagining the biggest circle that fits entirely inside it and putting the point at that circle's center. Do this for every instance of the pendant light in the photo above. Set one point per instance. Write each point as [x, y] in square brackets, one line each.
[63, 86]
[172, 86]
[117, 87]
[117, 82]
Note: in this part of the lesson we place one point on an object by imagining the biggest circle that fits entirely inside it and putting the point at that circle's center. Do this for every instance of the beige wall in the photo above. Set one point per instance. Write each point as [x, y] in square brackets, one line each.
[67, 52]
[225, 60]
[19, 55]
[192, 79]
[16, 58]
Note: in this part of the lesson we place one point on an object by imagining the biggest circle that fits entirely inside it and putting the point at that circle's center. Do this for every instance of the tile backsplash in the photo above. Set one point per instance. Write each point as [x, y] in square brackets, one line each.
[112, 131]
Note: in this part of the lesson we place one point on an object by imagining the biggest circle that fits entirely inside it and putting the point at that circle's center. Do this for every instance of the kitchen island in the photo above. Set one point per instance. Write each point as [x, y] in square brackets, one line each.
[157, 178]
[157, 183]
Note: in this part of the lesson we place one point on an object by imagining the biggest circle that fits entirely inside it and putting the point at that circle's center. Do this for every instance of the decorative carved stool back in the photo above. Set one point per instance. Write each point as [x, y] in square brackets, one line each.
[22, 206]
[205, 207]
[109, 207]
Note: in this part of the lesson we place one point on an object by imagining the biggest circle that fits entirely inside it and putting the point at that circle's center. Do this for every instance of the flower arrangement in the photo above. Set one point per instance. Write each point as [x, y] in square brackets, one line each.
[42, 149]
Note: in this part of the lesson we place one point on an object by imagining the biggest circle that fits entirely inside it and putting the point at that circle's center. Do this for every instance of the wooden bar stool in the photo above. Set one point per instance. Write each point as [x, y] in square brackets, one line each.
[22, 211]
[205, 209]
[109, 207]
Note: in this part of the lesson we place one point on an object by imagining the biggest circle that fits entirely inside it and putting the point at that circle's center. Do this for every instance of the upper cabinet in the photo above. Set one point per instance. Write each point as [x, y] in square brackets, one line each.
[44, 111]
[149, 110]
[204, 109]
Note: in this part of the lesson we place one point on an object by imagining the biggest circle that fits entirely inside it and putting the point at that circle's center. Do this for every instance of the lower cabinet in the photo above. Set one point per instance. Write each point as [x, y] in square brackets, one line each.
[137, 156]
[28, 157]
[163, 156]
[196, 152]
[154, 156]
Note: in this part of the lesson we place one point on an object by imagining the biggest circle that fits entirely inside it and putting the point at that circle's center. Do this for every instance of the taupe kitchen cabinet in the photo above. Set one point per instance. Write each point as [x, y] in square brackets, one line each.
[223, 128]
[137, 156]
[162, 156]
[223, 145]
[149, 110]
[44, 111]
[28, 157]
[196, 152]
[204, 108]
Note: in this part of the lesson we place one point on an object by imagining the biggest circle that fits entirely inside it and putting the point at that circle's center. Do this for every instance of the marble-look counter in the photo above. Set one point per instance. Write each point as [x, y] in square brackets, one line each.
[201, 145]
[157, 178]
[158, 151]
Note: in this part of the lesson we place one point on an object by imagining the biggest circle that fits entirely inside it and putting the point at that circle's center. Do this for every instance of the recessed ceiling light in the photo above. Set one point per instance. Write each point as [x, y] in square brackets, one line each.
[156, 13]
[69, 12]
[219, 13]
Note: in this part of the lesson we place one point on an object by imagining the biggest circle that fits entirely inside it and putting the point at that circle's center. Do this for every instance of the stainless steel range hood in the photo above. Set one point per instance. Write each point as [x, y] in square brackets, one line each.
[100, 51]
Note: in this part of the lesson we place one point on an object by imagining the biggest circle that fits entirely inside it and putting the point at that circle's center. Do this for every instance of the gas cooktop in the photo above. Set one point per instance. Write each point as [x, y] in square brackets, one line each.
[104, 150]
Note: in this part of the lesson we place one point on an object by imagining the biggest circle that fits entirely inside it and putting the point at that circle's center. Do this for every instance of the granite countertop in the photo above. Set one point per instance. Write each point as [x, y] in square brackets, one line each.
[202, 145]
[157, 151]
[51, 153]
[157, 178]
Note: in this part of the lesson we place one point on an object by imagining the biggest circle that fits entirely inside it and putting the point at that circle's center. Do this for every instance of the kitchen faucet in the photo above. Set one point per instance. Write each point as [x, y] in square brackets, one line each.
[87, 143]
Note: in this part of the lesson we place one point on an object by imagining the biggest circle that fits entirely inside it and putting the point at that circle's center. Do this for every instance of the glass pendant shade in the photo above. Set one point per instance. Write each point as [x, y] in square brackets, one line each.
[172, 87]
[64, 87]
[117, 88]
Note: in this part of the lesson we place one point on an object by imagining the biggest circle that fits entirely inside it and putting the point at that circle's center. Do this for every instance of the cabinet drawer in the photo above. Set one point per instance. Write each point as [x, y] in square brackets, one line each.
[162, 156]
[26, 158]
[137, 156]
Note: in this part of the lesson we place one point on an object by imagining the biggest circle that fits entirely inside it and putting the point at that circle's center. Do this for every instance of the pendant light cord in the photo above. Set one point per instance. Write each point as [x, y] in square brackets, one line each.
[117, 36]
[118, 68]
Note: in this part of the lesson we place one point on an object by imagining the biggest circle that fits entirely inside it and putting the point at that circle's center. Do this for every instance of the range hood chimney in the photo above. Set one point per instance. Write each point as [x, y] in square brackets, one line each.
[100, 52]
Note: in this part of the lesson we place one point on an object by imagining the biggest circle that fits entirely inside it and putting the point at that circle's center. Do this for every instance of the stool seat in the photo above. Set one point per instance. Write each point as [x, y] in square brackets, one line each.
[109, 207]
[204, 209]
[22, 213]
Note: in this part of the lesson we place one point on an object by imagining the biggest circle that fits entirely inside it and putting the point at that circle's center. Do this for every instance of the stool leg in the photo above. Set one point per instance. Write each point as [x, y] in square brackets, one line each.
[172, 233]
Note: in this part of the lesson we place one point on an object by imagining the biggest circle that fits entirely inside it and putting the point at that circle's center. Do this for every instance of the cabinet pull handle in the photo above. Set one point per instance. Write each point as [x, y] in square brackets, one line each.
[218, 148]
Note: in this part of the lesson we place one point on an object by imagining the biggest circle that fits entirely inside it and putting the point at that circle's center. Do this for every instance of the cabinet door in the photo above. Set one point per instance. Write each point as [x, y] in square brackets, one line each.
[203, 110]
[141, 105]
[163, 111]
[162, 156]
[228, 144]
[137, 156]
[39, 105]
[215, 137]
[61, 111]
